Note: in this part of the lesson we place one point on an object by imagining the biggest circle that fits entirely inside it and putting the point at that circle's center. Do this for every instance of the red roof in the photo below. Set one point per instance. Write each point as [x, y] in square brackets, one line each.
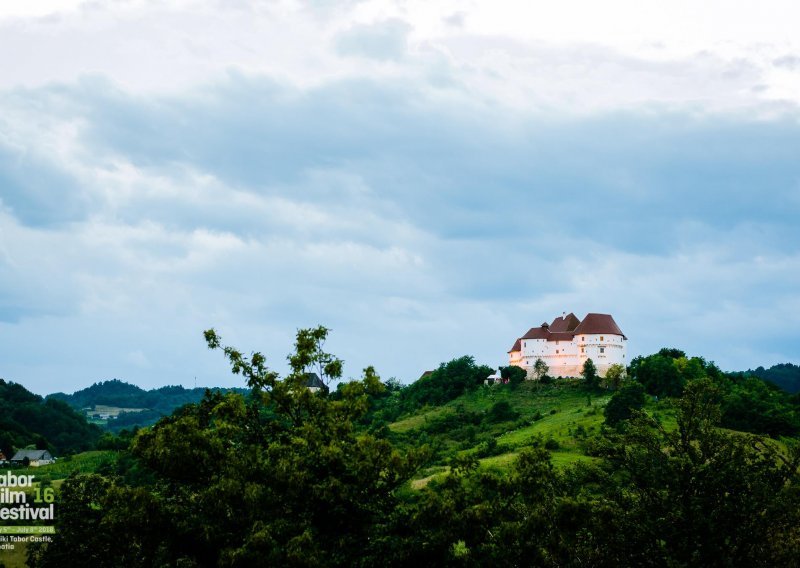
[561, 336]
[565, 323]
[599, 323]
[565, 328]
[536, 333]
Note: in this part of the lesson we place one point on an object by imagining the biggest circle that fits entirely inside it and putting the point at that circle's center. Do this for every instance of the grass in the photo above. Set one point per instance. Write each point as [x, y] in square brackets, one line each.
[563, 414]
[16, 558]
[419, 419]
[86, 462]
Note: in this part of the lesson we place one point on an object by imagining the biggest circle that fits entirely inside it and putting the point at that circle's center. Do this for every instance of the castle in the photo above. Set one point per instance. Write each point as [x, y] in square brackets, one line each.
[568, 342]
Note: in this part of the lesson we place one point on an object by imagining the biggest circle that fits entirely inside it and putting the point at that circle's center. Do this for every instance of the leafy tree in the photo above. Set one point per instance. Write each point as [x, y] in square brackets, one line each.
[672, 353]
[659, 375]
[309, 355]
[623, 403]
[449, 381]
[785, 375]
[753, 405]
[502, 412]
[589, 374]
[282, 477]
[540, 369]
[615, 375]
[699, 496]
[515, 375]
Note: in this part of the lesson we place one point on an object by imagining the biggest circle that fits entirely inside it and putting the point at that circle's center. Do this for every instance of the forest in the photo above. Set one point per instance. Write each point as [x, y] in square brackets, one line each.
[673, 463]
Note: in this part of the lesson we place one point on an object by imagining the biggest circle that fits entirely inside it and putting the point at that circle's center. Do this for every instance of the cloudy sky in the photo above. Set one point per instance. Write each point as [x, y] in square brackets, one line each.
[428, 179]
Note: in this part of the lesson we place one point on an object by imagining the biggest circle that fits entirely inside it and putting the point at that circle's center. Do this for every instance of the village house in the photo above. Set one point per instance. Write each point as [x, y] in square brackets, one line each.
[35, 458]
[566, 343]
[314, 383]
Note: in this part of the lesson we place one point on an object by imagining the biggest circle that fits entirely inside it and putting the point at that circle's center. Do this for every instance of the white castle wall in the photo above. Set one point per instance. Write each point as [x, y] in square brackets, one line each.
[566, 358]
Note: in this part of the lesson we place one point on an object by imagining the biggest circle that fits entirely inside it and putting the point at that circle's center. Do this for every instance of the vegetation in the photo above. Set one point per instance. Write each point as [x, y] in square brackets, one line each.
[784, 375]
[447, 382]
[589, 374]
[447, 472]
[26, 419]
[624, 403]
[150, 404]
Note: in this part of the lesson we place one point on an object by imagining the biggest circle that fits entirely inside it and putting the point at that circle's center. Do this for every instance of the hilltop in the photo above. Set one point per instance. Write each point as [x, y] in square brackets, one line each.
[27, 419]
[676, 464]
[784, 375]
[117, 404]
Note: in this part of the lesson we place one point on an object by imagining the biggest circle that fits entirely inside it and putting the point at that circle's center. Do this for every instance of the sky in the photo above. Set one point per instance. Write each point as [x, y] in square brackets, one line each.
[426, 179]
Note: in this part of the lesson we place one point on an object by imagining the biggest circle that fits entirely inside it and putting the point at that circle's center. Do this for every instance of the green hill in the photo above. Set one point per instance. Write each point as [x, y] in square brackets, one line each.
[452, 472]
[784, 375]
[494, 423]
[118, 405]
[28, 419]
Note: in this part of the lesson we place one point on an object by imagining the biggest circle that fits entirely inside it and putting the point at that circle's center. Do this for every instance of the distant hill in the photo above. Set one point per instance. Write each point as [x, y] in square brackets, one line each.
[785, 375]
[28, 419]
[131, 405]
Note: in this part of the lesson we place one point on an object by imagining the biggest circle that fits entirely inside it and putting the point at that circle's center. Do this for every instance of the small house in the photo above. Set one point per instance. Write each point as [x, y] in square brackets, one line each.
[495, 378]
[35, 458]
[314, 383]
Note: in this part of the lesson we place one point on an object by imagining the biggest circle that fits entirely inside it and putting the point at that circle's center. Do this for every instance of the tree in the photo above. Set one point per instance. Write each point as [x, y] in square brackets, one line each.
[615, 375]
[450, 380]
[281, 477]
[589, 374]
[699, 496]
[623, 403]
[672, 353]
[660, 376]
[309, 355]
[515, 375]
[540, 369]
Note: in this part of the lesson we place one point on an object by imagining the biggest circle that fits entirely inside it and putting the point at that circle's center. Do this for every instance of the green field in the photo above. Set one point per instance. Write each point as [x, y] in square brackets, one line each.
[562, 414]
[86, 462]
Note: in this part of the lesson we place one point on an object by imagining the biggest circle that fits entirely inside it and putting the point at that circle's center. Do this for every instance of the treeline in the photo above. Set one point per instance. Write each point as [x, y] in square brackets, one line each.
[748, 403]
[784, 375]
[27, 419]
[125, 395]
[286, 477]
[156, 402]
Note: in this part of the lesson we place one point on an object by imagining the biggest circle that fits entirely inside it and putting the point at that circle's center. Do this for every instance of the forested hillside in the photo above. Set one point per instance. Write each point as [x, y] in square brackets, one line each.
[28, 419]
[785, 375]
[150, 405]
[642, 470]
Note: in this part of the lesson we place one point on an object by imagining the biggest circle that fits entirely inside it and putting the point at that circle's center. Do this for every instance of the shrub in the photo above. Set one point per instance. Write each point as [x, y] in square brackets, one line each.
[552, 444]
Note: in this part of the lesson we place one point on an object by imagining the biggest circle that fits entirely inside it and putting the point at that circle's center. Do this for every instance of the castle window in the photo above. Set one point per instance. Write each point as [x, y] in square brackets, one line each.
[556, 351]
[583, 350]
[602, 350]
[601, 338]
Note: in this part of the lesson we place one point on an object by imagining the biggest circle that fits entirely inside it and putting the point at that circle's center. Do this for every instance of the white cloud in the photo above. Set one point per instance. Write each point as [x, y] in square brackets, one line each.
[167, 168]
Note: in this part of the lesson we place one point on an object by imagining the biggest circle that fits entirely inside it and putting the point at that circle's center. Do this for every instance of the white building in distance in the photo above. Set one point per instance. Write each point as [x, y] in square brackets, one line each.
[568, 342]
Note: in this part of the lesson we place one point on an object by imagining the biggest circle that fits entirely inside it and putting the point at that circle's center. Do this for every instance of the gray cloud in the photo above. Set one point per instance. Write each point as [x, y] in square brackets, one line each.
[386, 40]
[791, 62]
[417, 230]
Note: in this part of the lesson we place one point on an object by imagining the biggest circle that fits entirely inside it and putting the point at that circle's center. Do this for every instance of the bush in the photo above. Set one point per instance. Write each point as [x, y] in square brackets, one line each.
[502, 412]
[552, 444]
[623, 403]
